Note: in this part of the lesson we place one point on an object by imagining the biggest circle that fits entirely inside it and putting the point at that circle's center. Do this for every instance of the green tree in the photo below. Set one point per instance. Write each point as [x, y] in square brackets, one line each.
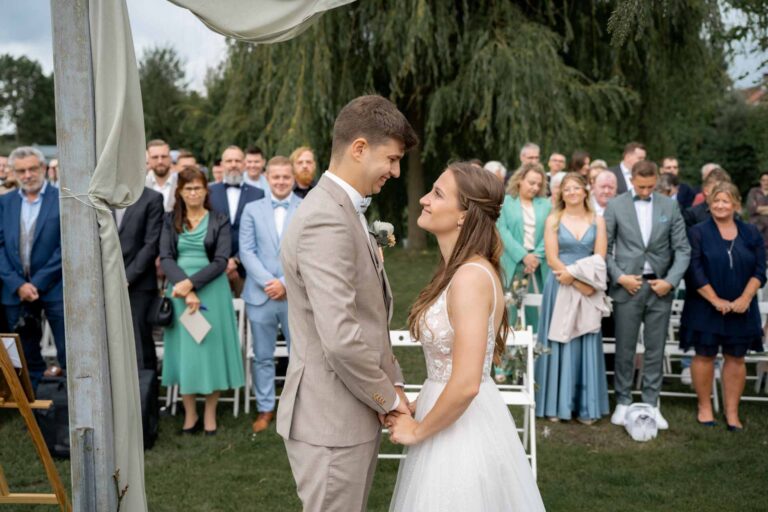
[163, 92]
[27, 100]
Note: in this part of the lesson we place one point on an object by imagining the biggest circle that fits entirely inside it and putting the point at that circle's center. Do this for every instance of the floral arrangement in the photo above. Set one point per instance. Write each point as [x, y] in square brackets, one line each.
[384, 233]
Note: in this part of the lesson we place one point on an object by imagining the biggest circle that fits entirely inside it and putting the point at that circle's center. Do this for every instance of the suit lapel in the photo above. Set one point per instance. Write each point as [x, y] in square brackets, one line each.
[295, 202]
[655, 216]
[128, 214]
[268, 214]
[12, 236]
[244, 192]
[45, 208]
[632, 215]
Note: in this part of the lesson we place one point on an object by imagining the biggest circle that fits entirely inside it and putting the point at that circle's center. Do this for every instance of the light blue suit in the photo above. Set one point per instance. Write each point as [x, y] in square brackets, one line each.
[260, 255]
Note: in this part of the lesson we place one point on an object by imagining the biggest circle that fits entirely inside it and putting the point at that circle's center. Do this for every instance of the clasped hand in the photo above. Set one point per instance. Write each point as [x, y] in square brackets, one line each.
[724, 307]
[275, 289]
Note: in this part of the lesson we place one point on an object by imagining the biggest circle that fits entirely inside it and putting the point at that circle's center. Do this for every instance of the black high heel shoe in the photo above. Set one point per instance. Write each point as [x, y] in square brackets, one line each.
[734, 428]
[711, 423]
[210, 432]
[194, 429]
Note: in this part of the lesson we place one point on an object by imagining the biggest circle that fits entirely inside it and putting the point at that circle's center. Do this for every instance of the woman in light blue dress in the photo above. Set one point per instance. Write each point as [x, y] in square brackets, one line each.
[570, 377]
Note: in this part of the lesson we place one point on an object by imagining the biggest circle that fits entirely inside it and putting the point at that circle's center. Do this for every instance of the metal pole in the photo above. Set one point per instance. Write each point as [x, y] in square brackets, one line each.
[90, 399]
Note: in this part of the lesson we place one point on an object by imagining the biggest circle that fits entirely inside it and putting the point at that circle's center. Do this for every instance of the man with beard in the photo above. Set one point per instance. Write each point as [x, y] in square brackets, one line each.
[254, 168]
[230, 197]
[304, 166]
[159, 177]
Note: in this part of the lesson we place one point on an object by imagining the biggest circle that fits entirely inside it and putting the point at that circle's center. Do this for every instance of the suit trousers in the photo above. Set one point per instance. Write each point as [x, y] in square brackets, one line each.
[653, 312]
[265, 319]
[141, 302]
[333, 479]
[54, 313]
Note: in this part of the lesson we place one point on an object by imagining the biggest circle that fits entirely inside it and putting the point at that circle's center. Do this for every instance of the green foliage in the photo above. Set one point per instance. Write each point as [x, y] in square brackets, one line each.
[164, 93]
[27, 100]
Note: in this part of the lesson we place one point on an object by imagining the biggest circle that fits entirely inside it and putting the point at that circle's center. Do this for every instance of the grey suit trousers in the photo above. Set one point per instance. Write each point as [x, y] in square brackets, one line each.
[333, 479]
[653, 312]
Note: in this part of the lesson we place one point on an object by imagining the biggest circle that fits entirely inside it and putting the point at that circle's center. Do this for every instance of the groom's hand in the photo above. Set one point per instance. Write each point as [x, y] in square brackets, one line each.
[404, 407]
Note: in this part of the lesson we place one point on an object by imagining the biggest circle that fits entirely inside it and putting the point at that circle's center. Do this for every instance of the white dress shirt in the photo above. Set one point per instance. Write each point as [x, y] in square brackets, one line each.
[599, 210]
[233, 200]
[168, 189]
[644, 210]
[627, 173]
[280, 212]
[259, 183]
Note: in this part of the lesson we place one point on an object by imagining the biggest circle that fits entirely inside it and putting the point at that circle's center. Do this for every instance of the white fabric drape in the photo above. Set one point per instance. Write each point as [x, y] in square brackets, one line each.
[259, 21]
[118, 179]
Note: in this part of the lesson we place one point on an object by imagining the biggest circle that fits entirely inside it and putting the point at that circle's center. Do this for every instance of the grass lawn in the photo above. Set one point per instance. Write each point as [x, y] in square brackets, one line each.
[597, 468]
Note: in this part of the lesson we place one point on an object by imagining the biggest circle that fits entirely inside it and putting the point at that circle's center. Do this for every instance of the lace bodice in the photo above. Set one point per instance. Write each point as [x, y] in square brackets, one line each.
[437, 337]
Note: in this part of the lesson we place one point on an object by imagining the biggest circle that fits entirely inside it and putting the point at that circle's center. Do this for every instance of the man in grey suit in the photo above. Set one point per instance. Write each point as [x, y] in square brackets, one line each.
[648, 254]
[342, 373]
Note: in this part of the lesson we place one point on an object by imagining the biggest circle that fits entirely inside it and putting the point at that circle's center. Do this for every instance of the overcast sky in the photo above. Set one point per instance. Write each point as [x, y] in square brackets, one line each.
[25, 29]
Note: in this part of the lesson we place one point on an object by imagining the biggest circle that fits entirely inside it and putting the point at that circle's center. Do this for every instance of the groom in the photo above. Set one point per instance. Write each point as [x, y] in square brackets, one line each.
[342, 372]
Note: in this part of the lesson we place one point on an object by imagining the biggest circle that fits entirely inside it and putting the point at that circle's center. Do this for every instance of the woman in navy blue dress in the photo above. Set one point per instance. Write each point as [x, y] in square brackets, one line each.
[727, 269]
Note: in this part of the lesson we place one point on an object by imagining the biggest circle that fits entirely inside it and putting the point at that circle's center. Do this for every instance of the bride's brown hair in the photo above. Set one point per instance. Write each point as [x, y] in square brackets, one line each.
[481, 195]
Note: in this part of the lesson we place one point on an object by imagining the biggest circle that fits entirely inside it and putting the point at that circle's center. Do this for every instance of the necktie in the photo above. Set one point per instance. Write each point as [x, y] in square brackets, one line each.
[364, 204]
[281, 204]
[645, 199]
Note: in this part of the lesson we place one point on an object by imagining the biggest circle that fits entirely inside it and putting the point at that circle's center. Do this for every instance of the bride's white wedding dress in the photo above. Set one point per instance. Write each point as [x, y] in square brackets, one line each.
[476, 464]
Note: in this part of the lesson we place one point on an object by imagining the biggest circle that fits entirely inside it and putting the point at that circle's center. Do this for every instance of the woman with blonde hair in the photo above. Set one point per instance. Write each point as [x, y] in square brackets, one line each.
[465, 453]
[521, 226]
[570, 377]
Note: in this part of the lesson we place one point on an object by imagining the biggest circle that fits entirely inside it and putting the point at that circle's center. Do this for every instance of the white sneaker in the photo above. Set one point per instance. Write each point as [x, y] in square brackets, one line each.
[619, 415]
[661, 423]
[685, 377]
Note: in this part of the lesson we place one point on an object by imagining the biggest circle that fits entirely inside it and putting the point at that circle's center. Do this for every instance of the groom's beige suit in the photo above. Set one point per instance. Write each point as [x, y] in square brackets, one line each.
[342, 369]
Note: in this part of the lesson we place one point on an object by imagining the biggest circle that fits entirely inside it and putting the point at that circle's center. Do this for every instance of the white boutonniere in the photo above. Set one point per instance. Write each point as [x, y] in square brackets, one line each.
[384, 233]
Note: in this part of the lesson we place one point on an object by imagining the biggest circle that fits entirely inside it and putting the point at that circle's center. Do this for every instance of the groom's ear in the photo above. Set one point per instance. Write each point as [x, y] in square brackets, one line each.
[357, 148]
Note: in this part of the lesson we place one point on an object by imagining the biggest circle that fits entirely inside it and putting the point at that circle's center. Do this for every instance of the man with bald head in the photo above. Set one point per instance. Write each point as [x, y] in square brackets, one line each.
[603, 191]
[230, 198]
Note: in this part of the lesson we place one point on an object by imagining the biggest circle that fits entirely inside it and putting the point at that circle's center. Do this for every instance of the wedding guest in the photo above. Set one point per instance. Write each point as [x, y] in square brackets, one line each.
[217, 171]
[603, 190]
[685, 193]
[556, 164]
[30, 259]
[580, 163]
[138, 227]
[530, 153]
[554, 185]
[229, 198]
[521, 225]
[727, 269]
[53, 172]
[700, 212]
[570, 378]
[304, 168]
[705, 170]
[633, 152]
[184, 159]
[496, 168]
[254, 167]
[595, 168]
[159, 177]
[194, 249]
[7, 179]
[668, 185]
[757, 206]
[648, 254]
[263, 224]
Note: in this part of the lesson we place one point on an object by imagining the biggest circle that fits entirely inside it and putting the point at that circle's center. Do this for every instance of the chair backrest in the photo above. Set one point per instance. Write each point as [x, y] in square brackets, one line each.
[242, 322]
[531, 300]
[402, 339]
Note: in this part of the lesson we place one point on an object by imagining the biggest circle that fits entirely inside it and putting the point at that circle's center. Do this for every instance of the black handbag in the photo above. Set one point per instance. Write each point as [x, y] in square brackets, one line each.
[161, 312]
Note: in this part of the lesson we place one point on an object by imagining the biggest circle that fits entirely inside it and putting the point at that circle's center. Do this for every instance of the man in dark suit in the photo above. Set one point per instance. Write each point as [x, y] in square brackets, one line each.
[685, 193]
[30, 258]
[633, 153]
[139, 229]
[304, 167]
[700, 212]
[229, 198]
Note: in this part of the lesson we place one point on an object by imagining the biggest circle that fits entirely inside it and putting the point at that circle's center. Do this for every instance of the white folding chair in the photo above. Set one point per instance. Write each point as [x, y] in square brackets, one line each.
[531, 300]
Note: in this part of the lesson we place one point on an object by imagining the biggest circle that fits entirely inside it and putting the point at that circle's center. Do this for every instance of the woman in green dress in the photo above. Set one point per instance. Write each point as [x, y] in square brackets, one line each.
[194, 248]
[521, 226]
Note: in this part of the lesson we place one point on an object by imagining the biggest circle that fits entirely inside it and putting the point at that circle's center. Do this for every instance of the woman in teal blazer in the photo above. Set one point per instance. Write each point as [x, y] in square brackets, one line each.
[521, 225]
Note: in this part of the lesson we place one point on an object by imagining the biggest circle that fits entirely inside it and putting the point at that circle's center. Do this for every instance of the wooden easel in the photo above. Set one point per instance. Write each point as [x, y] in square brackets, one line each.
[18, 395]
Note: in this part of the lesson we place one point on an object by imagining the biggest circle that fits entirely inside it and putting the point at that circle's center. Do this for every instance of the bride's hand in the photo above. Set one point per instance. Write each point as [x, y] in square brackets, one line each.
[402, 429]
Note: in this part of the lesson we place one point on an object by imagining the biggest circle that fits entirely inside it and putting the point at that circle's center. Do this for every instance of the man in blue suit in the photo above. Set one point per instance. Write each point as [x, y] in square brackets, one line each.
[229, 198]
[30, 257]
[263, 224]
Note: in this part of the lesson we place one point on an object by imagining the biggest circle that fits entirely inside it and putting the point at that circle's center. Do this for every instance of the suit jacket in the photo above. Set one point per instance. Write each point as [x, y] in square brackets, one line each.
[667, 252]
[512, 231]
[621, 184]
[45, 257]
[685, 195]
[140, 239]
[341, 370]
[219, 203]
[217, 247]
[260, 247]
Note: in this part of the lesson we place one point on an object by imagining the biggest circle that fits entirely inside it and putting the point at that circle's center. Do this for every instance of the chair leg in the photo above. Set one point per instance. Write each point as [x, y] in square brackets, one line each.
[174, 400]
[533, 442]
[526, 426]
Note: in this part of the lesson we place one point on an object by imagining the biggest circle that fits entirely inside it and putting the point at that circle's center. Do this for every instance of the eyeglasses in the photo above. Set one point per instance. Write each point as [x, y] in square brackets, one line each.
[196, 190]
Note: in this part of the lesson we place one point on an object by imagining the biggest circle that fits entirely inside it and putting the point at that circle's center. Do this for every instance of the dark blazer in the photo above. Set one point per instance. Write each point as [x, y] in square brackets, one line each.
[696, 214]
[45, 260]
[218, 245]
[711, 265]
[140, 239]
[219, 203]
[685, 195]
[302, 192]
[621, 184]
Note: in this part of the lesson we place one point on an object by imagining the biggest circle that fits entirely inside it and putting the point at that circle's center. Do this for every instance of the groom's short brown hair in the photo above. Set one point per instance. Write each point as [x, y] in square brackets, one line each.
[374, 118]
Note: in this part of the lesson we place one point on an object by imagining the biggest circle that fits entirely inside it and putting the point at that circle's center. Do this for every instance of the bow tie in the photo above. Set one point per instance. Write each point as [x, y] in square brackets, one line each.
[644, 199]
[281, 204]
[232, 185]
[363, 205]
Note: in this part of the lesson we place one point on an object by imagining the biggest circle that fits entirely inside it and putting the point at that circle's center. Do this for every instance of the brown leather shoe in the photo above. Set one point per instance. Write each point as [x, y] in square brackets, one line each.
[262, 421]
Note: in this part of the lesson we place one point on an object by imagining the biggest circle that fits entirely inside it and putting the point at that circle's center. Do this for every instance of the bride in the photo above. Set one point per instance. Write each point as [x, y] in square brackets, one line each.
[464, 451]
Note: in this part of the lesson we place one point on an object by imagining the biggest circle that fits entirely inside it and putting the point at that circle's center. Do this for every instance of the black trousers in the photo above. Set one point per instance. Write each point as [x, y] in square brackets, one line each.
[141, 301]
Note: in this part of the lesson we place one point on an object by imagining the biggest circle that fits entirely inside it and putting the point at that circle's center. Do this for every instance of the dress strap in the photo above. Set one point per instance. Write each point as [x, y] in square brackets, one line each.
[493, 283]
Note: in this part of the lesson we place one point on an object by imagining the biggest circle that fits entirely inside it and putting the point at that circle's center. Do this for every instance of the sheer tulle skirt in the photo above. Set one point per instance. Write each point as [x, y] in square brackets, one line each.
[477, 464]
